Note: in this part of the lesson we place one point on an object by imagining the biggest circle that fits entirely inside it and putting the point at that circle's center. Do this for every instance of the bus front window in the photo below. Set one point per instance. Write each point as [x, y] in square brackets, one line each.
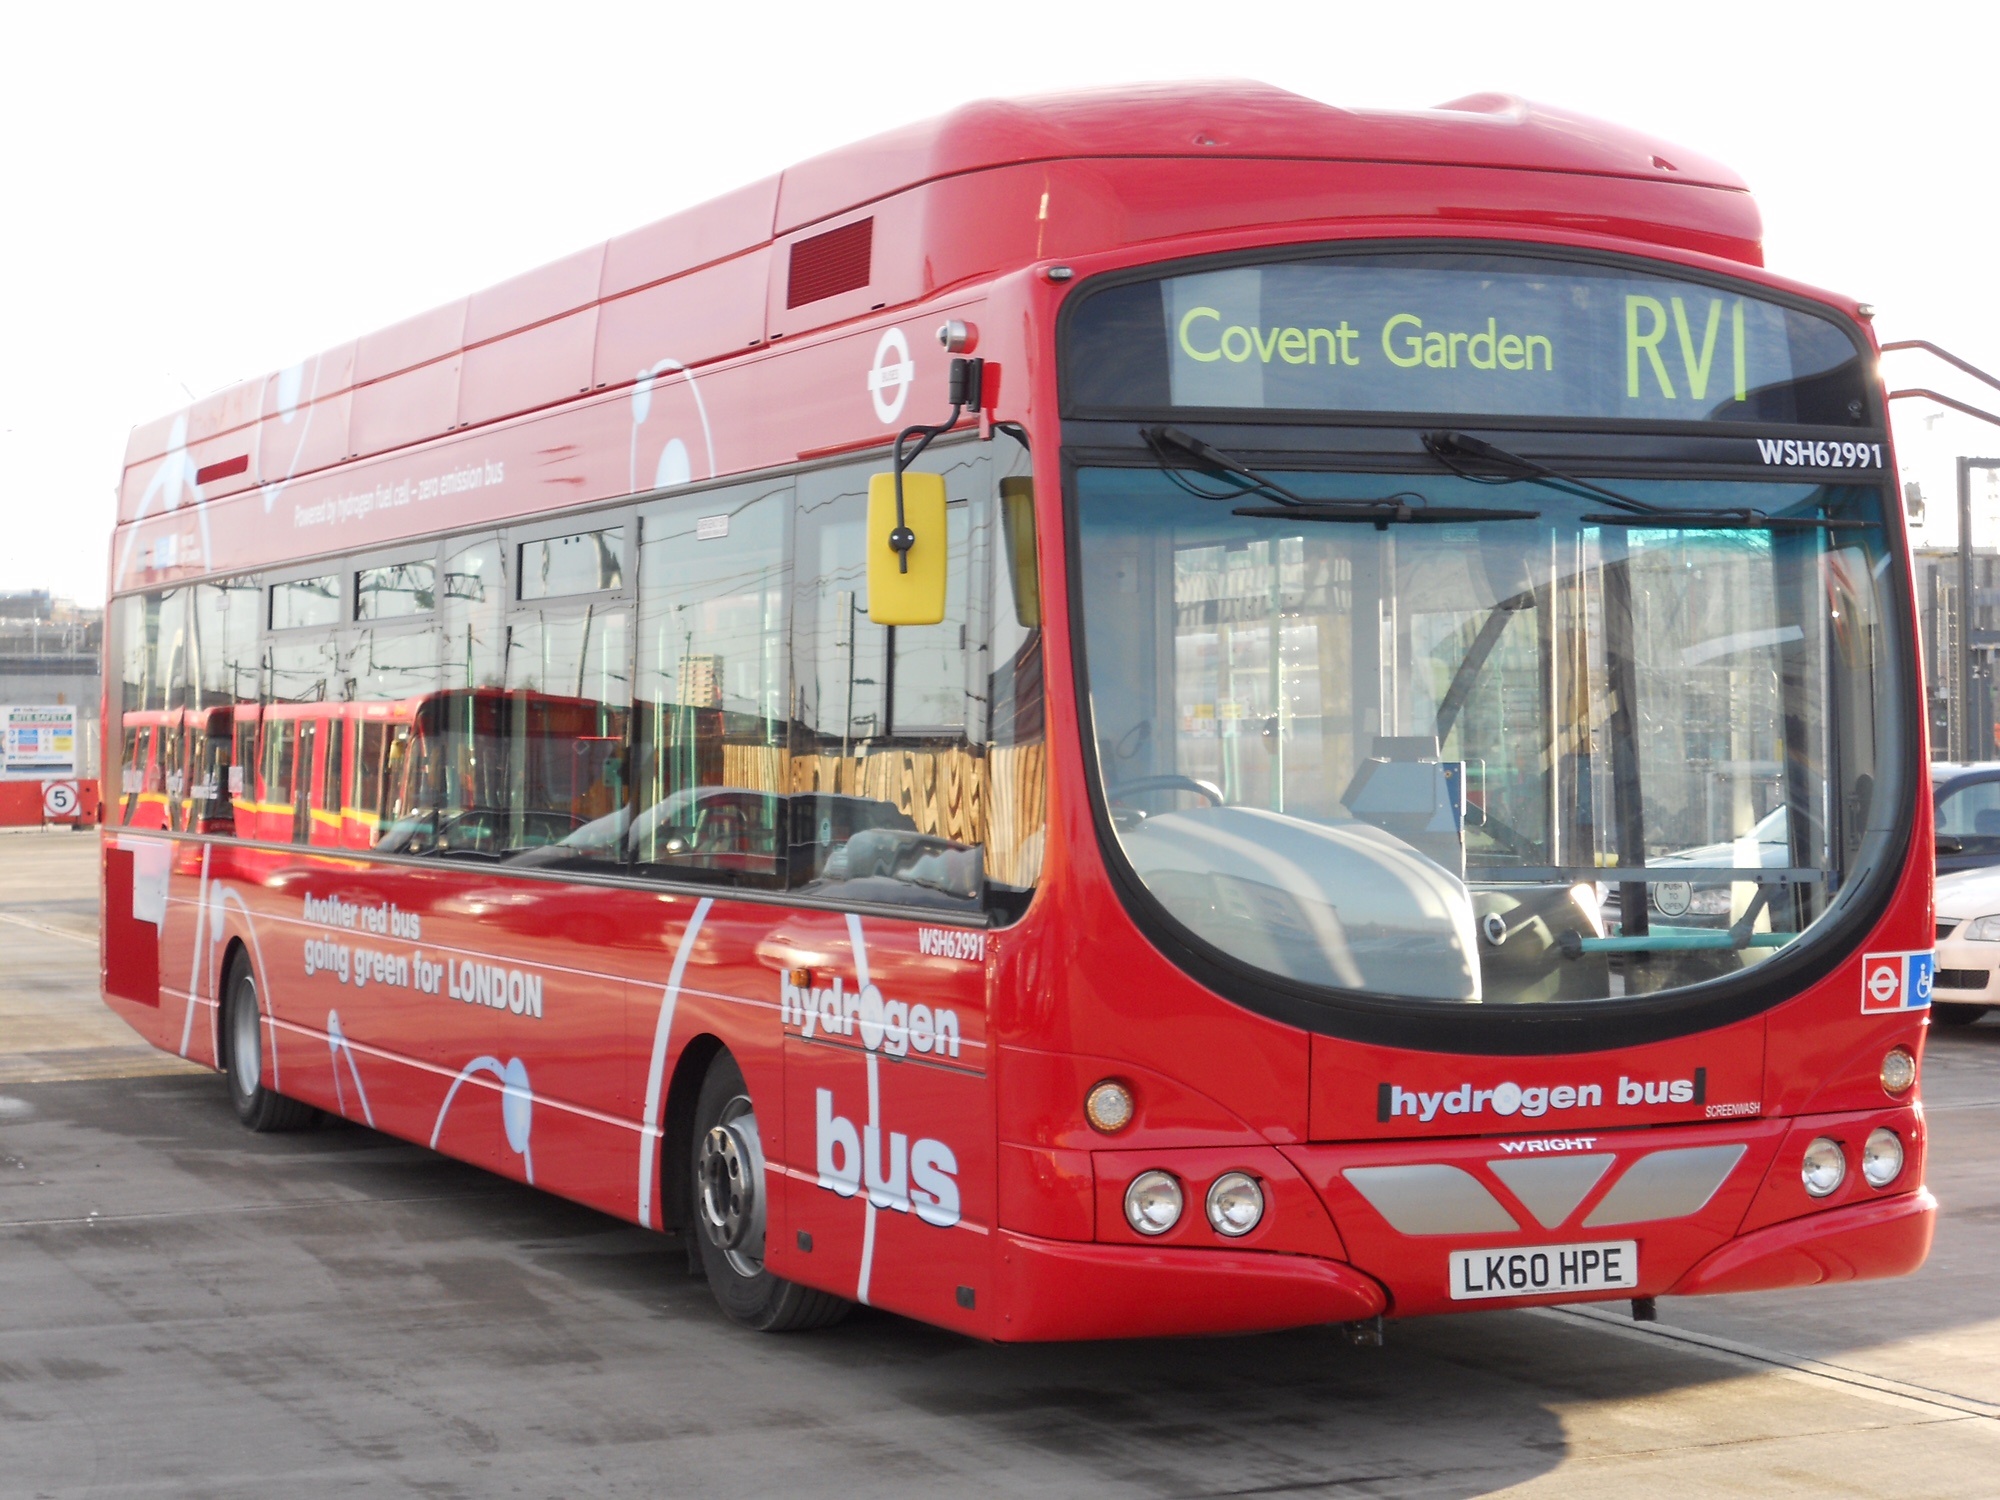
[1547, 757]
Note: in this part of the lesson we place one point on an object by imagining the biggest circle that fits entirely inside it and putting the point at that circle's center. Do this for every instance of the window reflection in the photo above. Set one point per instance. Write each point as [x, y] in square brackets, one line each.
[406, 588]
[711, 728]
[587, 562]
[305, 601]
[1642, 754]
[735, 718]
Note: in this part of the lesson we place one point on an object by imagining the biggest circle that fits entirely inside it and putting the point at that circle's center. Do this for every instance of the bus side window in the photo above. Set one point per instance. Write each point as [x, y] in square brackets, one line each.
[303, 671]
[566, 710]
[710, 739]
[568, 703]
[150, 639]
[223, 693]
[126, 621]
[393, 676]
[916, 758]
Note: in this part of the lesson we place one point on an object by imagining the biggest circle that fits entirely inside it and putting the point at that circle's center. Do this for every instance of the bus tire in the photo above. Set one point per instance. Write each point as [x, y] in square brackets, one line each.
[257, 1107]
[1951, 1014]
[726, 1213]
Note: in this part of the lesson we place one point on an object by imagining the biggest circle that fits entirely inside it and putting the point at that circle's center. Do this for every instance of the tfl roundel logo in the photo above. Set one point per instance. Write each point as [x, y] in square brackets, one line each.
[1896, 981]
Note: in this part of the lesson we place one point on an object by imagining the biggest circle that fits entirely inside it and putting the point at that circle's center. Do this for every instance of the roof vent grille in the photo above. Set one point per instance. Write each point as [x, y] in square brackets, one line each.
[830, 263]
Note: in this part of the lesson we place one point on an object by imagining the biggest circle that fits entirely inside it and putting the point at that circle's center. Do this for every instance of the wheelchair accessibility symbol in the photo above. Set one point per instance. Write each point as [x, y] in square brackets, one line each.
[1896, 981]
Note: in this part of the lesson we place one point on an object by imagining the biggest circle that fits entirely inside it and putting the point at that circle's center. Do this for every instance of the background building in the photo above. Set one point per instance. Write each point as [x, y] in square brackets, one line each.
[51, 652]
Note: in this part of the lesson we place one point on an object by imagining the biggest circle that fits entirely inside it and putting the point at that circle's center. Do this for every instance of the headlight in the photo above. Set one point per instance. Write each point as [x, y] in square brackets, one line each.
[1899, 1070]
[1981, 930]
[1153, 1202]
[1235, 1203]
[1882, 1157]
[1712, 902]
[1824, 1168]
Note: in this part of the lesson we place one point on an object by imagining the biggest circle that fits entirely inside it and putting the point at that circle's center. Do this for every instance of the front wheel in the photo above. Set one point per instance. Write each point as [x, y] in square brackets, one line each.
[243, 1027]
[728, 1213]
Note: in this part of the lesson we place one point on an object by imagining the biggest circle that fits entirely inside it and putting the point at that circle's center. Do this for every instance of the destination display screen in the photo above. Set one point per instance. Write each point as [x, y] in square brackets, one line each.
[1498, 335]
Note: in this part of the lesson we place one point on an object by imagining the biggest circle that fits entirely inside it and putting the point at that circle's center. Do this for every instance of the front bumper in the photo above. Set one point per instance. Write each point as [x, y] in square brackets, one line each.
[1059, 1290]
[1711, 1207]
[1863, 1242]
[1055, 1289]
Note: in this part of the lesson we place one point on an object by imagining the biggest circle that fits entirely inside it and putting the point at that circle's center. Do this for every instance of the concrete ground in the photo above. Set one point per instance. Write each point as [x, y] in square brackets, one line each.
[186, 1309]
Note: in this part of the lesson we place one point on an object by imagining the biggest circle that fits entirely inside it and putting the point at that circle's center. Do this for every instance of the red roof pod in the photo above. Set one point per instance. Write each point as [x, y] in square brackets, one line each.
[412, 342]
[695, 237]
[1235, 119]
[988, 188]
[550, 291]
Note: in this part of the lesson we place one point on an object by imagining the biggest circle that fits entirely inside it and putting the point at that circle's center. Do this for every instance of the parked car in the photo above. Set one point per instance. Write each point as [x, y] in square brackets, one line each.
[1967, 981]
[1690, 900]
[1967, 802]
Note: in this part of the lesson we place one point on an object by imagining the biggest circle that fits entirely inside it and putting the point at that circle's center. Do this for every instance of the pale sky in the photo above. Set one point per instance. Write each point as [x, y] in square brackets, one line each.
[197, 194]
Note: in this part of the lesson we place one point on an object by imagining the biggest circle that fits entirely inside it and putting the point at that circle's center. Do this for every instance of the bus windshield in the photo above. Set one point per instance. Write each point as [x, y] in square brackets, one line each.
[1559, 752]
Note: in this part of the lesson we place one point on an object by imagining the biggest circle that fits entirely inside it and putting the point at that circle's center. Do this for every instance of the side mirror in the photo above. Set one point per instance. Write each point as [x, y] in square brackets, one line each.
[914, 595]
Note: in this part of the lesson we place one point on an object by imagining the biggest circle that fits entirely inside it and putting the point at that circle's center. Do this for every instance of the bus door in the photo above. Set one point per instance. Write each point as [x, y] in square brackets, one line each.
[888, 1121]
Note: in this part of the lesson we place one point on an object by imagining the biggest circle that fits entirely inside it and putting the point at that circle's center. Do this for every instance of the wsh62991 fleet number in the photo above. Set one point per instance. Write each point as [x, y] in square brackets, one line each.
[1799, 453]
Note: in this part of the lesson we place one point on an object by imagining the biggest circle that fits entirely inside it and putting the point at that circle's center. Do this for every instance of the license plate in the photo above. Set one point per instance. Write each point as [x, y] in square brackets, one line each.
[1542, 1270]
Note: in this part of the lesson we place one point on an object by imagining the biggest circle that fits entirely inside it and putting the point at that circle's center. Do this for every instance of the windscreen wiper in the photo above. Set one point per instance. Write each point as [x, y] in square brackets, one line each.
[1405, 507]
[1454, 449]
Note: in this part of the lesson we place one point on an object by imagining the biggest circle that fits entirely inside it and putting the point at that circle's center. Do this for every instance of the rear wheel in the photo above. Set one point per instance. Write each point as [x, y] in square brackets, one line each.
[243, 1026]
[727, 1211]
[1956, 1015]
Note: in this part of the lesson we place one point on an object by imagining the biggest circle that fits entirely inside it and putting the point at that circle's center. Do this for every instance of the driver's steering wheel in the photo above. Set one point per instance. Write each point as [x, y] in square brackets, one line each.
[1200, 788]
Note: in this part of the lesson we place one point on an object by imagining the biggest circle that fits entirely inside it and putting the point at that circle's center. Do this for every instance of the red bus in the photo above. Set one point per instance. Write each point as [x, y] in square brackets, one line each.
[1150, 712]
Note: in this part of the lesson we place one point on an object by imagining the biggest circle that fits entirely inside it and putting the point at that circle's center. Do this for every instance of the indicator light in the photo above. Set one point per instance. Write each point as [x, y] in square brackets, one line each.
[1235, 1204]
[1825, 1166]
[1153, 1202]
[1899, 1070]
[1108, 1106]
[1882, 1157]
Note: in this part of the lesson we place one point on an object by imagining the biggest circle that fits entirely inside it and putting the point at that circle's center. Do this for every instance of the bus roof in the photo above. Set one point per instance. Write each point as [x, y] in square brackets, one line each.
[1227, 119]
[725, 276]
